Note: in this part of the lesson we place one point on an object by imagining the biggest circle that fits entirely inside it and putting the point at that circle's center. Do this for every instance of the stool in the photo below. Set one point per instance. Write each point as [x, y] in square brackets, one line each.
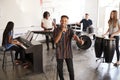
[4, 55]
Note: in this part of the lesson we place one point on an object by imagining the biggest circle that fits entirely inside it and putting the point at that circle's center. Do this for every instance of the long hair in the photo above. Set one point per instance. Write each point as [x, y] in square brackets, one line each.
[113, 18]
[9, 27]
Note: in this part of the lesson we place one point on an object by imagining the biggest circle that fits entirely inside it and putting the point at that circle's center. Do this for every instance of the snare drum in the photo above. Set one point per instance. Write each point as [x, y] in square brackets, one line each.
[98, 46]
[109, 49]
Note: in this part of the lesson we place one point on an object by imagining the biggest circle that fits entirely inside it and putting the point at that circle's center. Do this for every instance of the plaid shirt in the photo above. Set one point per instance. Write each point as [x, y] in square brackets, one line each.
[63, 47]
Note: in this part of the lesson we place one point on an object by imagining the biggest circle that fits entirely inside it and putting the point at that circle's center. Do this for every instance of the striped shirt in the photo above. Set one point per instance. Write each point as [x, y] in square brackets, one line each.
[63, 47]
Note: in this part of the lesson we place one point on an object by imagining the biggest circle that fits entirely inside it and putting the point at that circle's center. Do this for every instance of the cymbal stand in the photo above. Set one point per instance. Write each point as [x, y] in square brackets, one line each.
[102, 60]
[55, 65]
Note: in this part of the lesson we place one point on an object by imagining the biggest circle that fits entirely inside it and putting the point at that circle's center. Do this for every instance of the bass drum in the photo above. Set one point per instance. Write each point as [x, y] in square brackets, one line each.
[87, 42]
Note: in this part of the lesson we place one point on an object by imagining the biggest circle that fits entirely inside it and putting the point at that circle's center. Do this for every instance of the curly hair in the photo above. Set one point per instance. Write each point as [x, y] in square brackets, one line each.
[45, 14]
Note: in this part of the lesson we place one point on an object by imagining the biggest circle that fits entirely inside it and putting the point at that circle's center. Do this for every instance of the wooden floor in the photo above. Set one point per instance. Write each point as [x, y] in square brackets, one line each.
[85, 67]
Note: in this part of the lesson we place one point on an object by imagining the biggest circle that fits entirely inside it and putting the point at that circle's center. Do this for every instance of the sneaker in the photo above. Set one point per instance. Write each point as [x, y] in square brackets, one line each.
[26, 66]
[17, 62]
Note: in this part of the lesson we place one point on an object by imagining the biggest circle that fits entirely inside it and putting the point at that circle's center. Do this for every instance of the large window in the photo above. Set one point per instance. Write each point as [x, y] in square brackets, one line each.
[105, 7]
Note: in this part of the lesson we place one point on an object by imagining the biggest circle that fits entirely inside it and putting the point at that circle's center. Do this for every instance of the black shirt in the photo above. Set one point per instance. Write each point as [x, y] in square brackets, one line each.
[86, 23]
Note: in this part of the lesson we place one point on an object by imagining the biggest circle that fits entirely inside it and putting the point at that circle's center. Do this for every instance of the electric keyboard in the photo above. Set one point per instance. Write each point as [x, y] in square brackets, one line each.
[43, 32]
[35, 50]
[25, 43]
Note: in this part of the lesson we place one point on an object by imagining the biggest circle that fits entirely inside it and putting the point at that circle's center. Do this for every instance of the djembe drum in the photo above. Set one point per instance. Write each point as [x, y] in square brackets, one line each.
[98, 46]
[109, 49]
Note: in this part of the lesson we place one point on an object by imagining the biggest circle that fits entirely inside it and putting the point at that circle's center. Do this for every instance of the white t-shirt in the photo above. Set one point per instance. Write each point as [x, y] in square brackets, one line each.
[114, 29]
[47, 23]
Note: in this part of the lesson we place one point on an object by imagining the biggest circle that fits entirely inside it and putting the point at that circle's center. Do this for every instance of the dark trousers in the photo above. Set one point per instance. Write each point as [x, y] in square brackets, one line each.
[117, 47]
[18, 50]
[69, 63]
[48, 40]
[29, 57]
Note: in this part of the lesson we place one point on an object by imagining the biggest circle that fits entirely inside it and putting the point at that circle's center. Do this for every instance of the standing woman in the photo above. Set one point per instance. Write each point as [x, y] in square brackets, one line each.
[114, 30]
[11, 44]
[48, 24]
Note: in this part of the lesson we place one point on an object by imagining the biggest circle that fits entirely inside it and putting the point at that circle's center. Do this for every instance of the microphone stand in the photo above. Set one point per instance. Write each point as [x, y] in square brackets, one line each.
[55, 66]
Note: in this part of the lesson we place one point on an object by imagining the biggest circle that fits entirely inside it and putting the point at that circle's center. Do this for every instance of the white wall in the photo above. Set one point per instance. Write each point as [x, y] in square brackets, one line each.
[73, 8]
[20, 12]
[105, 7]
[101, 21]
[91, 7]
[24, 14]
[27, 13]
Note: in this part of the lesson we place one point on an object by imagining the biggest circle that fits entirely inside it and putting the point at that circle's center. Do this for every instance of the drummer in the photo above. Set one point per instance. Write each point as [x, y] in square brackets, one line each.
[114, 30]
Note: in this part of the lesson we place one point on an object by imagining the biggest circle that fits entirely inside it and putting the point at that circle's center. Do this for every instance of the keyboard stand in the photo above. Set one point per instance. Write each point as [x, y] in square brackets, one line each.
[37, 51]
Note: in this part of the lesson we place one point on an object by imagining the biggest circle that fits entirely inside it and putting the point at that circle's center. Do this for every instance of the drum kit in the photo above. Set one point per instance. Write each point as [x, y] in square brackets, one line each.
[104, 47]
[87, 42]
[84, 35]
